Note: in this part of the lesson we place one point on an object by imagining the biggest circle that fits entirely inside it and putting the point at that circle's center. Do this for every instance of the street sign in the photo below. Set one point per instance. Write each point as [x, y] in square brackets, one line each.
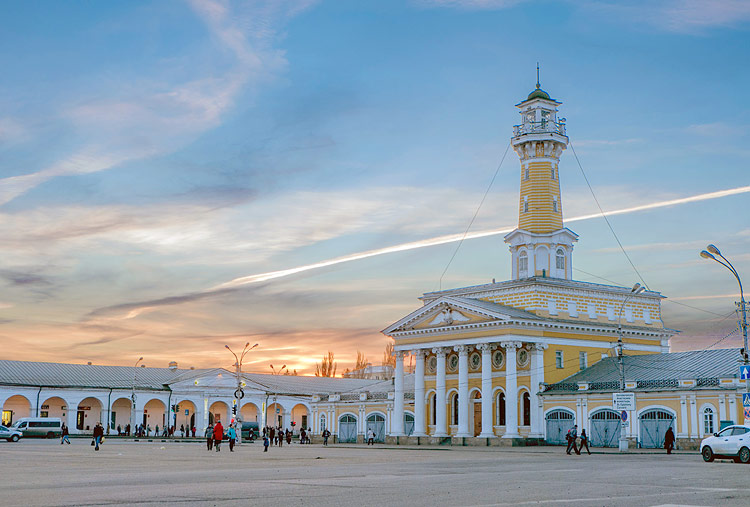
[747, 413]
[623, 401]
[187, 411]
[624, 415]
[746, 399]
[745, 372]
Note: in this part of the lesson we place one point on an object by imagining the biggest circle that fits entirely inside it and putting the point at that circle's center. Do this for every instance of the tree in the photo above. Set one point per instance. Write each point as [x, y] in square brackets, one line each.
[326, 368]
[287, 372]
[389, 359]
[359, 366]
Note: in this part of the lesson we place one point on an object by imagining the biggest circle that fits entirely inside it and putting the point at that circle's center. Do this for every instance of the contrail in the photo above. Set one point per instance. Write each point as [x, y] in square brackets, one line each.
[451, 238]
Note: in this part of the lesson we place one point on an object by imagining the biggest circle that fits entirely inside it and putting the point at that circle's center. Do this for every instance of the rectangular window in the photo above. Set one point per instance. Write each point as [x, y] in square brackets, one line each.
[583, 360]
[526, 173]
[553, 173]
[554, 204]
[44, 413]
[525, 204]
[558, 359]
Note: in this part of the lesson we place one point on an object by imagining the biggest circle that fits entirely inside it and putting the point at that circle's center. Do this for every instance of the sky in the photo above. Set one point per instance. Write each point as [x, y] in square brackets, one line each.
[180, 175]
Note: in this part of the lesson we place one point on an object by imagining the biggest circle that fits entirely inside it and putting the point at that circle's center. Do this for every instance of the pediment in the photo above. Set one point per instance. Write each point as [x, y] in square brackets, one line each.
[447, 312]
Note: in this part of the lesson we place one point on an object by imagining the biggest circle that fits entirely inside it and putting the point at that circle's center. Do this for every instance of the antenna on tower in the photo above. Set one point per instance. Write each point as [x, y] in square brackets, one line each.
[537, 76]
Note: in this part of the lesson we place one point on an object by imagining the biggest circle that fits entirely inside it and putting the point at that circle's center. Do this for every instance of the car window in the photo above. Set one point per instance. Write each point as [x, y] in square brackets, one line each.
[739, 430]
[725, 432]
[3, 428]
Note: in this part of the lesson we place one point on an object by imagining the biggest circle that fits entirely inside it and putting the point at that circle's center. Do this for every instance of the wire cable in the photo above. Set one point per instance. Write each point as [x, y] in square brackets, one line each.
[440, 283]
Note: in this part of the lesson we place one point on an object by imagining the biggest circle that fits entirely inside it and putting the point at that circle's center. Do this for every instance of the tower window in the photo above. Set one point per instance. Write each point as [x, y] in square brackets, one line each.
[523, 264]
[526, 173]
[525, 204]
[553, 173]
[560, 259]
[554, 204]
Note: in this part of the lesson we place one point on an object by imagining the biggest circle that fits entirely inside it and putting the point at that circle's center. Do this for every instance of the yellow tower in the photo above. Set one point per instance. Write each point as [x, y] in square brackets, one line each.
[540, 246]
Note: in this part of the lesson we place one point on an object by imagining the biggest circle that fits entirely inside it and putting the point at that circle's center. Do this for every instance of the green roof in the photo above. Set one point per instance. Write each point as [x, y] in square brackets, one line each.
[538, 94]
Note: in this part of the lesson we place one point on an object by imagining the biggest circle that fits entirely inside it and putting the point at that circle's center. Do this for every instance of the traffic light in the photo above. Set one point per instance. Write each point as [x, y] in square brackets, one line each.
[234, 410]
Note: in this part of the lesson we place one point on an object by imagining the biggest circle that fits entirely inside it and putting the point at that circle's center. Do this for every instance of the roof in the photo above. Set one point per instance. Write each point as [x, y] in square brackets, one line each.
[304, 385]
[656, 371]
[515, 313]
[538, 94]
[31, 373]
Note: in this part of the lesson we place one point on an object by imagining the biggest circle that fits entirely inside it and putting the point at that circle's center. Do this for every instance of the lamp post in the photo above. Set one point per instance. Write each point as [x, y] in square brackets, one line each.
[132, 395]
[239, 393]
[277, 372]
[637, 289]
[710, 253]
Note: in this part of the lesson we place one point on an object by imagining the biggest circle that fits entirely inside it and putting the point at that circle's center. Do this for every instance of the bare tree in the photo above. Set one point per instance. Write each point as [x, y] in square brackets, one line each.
[326, 368]
[389, 359]
[359, 366]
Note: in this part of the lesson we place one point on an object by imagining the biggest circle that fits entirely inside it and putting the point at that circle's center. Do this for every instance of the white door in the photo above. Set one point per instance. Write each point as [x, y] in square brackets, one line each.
[721, 443]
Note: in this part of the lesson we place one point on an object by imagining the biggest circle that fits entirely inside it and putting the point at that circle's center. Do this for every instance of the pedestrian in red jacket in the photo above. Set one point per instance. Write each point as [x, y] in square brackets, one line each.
[218, 435]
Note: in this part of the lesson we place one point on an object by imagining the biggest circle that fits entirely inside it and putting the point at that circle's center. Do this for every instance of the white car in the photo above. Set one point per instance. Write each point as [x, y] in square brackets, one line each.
[10, 434]
[731, 442]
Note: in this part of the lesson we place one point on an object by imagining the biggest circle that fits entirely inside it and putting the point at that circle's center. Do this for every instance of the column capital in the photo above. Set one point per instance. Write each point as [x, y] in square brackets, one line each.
[419, 353]
[440, 351]
[400, 354]
[511, 345]
[462, 350]
[539, 346]
[486, 347]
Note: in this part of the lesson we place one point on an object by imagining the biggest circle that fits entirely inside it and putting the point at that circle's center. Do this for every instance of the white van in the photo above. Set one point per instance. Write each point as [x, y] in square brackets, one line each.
[44, 427]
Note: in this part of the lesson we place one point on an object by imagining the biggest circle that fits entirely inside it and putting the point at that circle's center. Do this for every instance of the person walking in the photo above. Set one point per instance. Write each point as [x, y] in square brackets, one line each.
[119, 430]
[302, 435]
[232, 436]
[193, 428]
[571, 436]
[584, 441]
[98, 434]
[288, 436]
[370, 437]
[265, 443]
[272, 434]
[64, 435]
[325, 435]
[218, 435]
[209, 437]
[669, 440]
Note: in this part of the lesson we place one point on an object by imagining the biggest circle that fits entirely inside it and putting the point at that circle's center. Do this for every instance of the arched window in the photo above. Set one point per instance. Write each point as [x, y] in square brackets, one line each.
[454, 408]
[501, 409]
[708, 421]
[560, 259]
[526, 409]
[322, 422]
[523, 264]
[433, 404]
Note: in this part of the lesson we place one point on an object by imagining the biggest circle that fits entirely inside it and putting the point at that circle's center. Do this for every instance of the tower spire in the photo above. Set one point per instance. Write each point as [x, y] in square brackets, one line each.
[537, 76]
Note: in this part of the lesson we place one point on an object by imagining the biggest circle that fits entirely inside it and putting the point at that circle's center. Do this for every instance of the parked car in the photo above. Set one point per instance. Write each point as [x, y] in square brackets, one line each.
[44, 427]
[731, 442]
[10, 434]
[249, 430]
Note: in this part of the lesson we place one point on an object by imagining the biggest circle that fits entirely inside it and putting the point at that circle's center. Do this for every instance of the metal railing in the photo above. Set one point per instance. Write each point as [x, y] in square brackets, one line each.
[539, 127]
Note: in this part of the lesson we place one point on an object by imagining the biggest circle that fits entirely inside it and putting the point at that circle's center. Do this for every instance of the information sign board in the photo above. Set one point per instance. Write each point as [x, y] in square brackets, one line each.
[623, 401]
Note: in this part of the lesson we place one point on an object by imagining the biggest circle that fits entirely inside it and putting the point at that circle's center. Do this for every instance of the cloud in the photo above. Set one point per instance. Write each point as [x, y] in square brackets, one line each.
[146, 118]
[471, 4]
[715, 129]
[692, 15]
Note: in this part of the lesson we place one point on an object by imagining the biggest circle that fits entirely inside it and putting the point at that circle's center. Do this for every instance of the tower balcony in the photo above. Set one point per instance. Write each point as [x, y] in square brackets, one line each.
[539, 127]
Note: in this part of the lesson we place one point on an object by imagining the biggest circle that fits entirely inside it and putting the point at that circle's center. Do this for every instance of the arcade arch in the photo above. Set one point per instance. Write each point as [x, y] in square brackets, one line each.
[218, 411]
[89, 412]
[154, 414]
[14, 408]
[54, 407]
[250, 412]
[300, 416]
[121, 411]
[185, 414]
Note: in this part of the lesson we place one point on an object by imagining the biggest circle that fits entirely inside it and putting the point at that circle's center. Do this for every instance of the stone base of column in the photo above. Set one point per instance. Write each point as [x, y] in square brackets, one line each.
[463, 435]
[511, 435]
[440, 435]
[487, 435]
[536, 435]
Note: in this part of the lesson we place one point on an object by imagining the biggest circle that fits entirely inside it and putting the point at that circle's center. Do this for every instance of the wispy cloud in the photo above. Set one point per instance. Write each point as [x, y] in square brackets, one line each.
[470, 4]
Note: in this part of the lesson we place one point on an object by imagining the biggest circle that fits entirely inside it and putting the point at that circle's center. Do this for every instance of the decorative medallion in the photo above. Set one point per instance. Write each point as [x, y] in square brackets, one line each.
[452, 363]
[523, 357]
[449, 317]
[432, 364]
[475, 361]
[498, 359]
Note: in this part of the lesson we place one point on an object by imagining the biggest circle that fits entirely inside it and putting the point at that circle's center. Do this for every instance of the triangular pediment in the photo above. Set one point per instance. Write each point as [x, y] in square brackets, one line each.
[447, 312]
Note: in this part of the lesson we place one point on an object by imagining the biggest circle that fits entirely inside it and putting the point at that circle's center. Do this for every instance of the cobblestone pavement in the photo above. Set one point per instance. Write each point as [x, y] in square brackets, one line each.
[128, 473]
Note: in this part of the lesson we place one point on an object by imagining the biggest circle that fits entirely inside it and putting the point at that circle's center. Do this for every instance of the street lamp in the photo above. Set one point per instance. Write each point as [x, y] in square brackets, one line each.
[239, 393]
[710, 253]
[279, 371]
[637, 289]
[132, 395]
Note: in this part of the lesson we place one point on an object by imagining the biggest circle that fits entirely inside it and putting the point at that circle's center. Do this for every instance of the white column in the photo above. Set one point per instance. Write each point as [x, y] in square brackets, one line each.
[733, 416]
[683, 417]
[419, 404]
[694, 430]
[463, 391]
[487, 349]
[722, 411]
[511, 390]
[286, 419]
[397, 417]
[537, 377]
[440, 423]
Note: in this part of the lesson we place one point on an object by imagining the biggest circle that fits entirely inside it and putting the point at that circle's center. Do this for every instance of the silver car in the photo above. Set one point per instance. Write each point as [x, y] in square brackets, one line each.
[10, 434]
[732, 442]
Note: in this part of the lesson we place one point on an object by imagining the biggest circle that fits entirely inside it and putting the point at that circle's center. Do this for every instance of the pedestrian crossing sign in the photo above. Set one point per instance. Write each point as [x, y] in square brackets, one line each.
[746, 400]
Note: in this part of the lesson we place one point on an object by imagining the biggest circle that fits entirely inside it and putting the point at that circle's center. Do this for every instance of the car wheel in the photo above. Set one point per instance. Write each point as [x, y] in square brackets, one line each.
[744, 455]
[708, 454]
[14, 438]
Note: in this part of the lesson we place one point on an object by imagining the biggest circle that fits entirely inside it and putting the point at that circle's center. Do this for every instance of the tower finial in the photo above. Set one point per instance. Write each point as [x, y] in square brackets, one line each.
[537, 76]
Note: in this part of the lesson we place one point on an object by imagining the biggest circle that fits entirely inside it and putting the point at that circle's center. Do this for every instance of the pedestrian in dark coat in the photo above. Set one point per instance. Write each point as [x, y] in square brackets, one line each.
[669, 440]
[584, 442]
[209, 437]
[325, 436]
[98, 434]
[571, 436]
[218, 435]
[288, 437]
[265, 443]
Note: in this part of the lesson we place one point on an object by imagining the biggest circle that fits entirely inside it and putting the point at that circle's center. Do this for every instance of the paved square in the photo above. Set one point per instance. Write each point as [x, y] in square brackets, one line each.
[46, 473]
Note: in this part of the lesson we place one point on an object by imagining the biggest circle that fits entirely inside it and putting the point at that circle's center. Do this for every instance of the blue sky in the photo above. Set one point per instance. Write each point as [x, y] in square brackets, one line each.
[155, 154]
